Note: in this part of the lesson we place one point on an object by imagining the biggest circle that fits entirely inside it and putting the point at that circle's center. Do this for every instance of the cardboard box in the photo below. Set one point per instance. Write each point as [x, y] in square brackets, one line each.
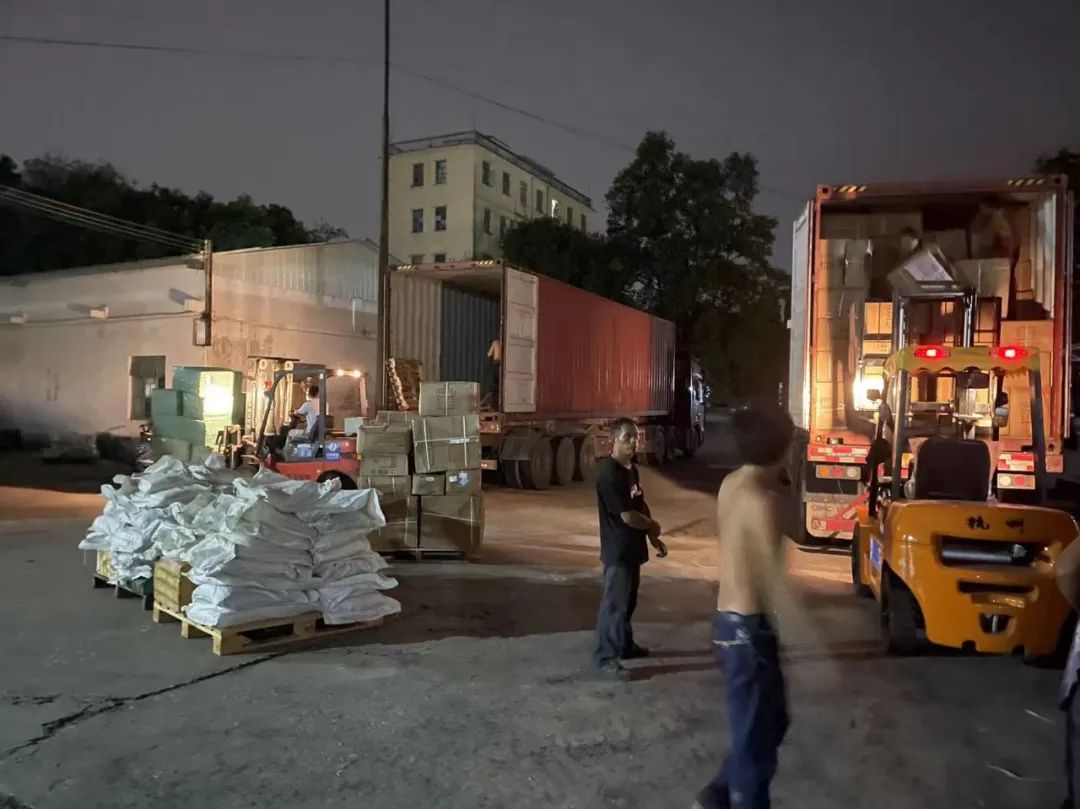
[353, 424]
[868, 226]
[989, 276]
[953, 243]
[452, 523]
[409, 417]
[384, 439]
[468, 481]
[385, 466]
[1035, 335]
[391, 487]
[430, 484]
[449, 398]
[161, 446]
[197, 432]
[447, 444]
[402, 530]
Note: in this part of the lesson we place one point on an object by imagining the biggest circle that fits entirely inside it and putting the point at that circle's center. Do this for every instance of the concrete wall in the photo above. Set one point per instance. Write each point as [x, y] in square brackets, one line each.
[66, 367]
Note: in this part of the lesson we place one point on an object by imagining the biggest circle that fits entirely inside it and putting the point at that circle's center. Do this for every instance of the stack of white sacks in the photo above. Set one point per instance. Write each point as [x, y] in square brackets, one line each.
[260, 547]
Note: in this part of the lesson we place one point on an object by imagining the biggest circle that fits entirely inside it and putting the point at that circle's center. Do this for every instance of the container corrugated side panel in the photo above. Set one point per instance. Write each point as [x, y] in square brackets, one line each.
[416, 321]
[470, 321]
[345, 270]
[599, 359]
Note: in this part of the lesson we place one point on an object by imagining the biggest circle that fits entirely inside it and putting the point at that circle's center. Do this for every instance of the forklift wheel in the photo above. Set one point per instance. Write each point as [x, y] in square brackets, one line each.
[861, 590]
[347, 483]
[900, 617]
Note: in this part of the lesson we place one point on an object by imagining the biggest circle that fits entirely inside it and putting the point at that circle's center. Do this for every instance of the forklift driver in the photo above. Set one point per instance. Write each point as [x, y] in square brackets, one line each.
[309, 410]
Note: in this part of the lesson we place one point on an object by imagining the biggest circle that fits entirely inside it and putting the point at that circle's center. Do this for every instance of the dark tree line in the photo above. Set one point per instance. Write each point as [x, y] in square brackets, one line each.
[32, 242]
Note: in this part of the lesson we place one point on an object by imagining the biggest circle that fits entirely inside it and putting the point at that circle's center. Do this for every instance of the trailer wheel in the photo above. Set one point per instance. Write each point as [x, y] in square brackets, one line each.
[510, 474]
[535, 473]
[692, 442]
[585, 469]
[347, 483]
[900, 617]
[861, 590]
[565, 460]
[659, 448]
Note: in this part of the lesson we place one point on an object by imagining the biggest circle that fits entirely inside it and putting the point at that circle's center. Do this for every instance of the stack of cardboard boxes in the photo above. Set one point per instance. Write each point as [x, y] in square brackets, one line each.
[426, 467]
[188, 417]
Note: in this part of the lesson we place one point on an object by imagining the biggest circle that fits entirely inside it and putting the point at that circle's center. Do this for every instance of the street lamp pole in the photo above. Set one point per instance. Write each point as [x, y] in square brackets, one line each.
[384, 222]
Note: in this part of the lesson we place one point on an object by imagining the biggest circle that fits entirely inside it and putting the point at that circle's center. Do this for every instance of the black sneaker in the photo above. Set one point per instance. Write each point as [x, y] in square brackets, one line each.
[614, 671]
[636, 653]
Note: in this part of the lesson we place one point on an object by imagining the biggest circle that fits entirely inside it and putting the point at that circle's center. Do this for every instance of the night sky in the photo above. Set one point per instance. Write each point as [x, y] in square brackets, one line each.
[836, 92]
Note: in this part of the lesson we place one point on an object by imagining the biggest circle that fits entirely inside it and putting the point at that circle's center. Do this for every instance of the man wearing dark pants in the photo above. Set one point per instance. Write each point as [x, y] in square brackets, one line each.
[625, 524]
[749, 508]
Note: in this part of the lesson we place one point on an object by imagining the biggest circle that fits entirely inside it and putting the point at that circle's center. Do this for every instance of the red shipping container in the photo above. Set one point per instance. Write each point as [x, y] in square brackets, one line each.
[600, 359]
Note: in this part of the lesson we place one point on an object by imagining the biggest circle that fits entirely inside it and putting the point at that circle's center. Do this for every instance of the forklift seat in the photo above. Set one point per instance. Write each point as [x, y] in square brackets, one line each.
[952, 469]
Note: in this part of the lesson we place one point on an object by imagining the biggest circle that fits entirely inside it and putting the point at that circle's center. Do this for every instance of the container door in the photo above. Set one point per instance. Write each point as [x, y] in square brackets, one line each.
[1044, 251]
[519, 346]
[798, 393]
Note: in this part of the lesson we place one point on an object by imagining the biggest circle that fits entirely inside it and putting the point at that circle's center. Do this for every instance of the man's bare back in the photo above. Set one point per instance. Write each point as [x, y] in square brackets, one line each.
[748, 515]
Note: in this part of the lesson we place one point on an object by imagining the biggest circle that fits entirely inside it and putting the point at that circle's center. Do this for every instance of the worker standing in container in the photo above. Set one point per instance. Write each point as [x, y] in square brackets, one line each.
[749, 512]
[625, 524]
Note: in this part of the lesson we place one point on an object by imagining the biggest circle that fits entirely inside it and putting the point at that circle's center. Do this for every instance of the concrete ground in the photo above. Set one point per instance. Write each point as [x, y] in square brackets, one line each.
[479, 695]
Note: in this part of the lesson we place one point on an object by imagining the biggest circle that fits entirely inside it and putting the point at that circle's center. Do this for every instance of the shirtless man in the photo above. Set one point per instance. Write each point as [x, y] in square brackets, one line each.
[750, 509]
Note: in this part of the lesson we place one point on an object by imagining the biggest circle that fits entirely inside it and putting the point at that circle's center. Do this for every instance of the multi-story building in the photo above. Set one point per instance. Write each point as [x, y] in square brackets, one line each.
[453, 196]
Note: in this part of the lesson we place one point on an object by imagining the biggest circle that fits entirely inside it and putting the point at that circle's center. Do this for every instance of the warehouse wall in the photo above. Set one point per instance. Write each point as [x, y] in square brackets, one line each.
[66, 371]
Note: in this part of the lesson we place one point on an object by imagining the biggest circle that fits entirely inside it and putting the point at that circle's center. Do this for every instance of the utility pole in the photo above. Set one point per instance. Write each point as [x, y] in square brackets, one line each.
[384, 222]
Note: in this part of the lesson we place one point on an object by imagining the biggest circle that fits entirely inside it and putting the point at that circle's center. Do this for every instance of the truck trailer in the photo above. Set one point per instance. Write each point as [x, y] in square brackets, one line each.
[1007, 247]
[571, 363]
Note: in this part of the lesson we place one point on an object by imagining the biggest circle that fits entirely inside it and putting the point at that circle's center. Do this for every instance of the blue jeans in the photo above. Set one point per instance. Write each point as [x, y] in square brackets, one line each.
[614, 635]
[748, 651]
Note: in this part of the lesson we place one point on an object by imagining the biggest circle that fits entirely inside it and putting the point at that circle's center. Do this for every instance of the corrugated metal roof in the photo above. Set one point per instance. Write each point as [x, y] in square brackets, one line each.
[345, 269]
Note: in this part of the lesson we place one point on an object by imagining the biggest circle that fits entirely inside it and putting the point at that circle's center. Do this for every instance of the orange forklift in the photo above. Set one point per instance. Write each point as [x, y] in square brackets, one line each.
[310, 453]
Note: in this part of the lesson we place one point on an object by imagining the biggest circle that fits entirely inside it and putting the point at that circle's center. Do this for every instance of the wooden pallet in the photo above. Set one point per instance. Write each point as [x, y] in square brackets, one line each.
[256, 636]
[139, 588]
[421, 554]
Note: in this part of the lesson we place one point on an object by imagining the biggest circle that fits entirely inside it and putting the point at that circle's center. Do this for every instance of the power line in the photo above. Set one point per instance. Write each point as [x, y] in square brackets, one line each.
[577, 131]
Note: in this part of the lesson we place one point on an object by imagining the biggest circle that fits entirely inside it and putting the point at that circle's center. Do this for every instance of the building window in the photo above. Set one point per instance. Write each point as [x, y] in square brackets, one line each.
[416, 258]
[485, 173]
[417, 175]
[583, 221]
[418, 220]
[504, 225]
[487, 220]
[506, 183]
[440, 218]
[569, 216]
[554, 209]
[440, 172]
[147, 375]
[439, 258]
[524, 195]
[539, 200]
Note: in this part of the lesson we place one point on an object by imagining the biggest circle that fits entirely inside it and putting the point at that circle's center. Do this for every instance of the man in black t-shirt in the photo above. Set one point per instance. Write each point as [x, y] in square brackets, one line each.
[625, 524]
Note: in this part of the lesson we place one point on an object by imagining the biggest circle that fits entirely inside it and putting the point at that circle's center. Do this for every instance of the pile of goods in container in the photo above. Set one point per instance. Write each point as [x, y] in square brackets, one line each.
[258, 547]
[405, 377]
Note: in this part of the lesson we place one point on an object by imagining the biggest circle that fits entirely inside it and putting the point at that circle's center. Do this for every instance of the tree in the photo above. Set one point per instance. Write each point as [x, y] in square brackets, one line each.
[694, 251]
[561, 251]
[33, 242]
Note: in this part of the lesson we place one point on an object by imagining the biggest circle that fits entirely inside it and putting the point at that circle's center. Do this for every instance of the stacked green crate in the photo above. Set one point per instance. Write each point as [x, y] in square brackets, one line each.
[188, 417]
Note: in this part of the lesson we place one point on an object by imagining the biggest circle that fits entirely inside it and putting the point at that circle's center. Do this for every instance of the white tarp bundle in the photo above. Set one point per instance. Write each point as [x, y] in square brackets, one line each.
[259, 547]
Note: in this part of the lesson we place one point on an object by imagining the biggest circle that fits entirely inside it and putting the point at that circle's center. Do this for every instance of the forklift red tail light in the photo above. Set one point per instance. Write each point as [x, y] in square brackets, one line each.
[1009, 353]
[932, 353]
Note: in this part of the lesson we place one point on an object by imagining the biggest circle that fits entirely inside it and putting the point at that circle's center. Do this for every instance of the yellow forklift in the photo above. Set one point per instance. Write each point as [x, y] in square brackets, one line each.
[948, 560]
